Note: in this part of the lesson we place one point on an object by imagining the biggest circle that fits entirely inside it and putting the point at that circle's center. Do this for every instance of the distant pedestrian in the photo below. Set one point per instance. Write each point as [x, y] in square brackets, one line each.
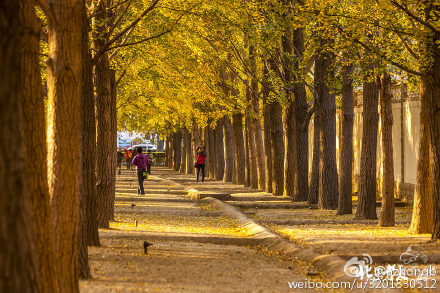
[200, 163]
[119, 156]
[127, 156]
[140, 161]
[150, 161]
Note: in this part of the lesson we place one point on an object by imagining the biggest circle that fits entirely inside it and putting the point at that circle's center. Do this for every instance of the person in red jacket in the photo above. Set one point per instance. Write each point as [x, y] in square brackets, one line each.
[200, 163]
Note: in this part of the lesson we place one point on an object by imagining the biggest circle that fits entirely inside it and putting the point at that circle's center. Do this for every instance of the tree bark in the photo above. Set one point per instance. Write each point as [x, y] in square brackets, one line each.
[20, 269]
[104, 121]
[345, 202]
[246, 150]
[64, 72]
[386, 117]
[277, 142]
[189, 153]
[328, 186]
[239, 151]
[177, 152]
[422, 217]
[253, 172]
[256, 121]
[185, 135]
[229, 150]
[302, 133]
[267, 127]
[366, 208]
[314, 177]
[211, 150]
[219, 150]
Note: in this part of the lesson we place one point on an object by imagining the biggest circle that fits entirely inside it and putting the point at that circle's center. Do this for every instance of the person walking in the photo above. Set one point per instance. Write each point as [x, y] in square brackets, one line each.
[200, 163]
[127, 159]
[119, 156]
[140, 161]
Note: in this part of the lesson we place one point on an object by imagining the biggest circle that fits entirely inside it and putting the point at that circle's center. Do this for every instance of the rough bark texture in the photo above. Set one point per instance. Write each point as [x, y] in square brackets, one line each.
[219, 151]
[185, 135]
[19, 270]
[253, 172]
[302, 133]
[239, 152]
[345, 202]
[211, 150]
[422, 217]
[256, 120]
[277, 141]
[114, 142]
[88, 131]
[64, 72]
[328, 186]
[267, 128]
[431, 82]
[189, 153]
[177, 150]
[386, 117]
[290, 119]
[104, 140]
[366, 208]
[246, 150]
[314, 177]
[229, 150]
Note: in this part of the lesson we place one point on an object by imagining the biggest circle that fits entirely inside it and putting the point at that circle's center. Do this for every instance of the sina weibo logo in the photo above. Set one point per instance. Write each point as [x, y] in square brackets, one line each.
[359, 267]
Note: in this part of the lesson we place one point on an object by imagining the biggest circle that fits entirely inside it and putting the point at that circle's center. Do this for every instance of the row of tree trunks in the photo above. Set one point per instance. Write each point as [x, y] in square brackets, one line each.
[345, 203]
[316, 158]
[19, 85]
[177, 150]
[328, 177]
[64, 74]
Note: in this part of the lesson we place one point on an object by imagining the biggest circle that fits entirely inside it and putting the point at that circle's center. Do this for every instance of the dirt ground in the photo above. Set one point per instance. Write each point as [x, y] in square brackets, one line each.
[194, 249]
[197, 249]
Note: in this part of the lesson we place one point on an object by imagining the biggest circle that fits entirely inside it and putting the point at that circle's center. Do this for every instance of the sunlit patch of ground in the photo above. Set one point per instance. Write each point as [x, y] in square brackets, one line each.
[183, 224]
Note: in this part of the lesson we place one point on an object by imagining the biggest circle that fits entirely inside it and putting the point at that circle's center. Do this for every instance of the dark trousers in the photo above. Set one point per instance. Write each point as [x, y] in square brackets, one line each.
[149, 168]
[141, 181]
[201, 167]
[128, 162]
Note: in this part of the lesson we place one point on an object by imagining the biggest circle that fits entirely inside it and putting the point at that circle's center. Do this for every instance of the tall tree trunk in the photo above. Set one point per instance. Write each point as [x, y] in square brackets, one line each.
[422, 217]
[189, 153]
[211, 151]
[20, 268]
[219, 150]
[314, 177]
[277, 142]
[239, 151]
[177, 152]
[104, 123]
[229, 150]
[114, 141]
[253, 172]
[247, 164]
[185, 134]
[345, 202]
[290, 121]
[256, 121]
[302, 133]
[386, 117]
[431, 82]
[64, 72]
[267, 128]
[168, 151]
[328, 187]
[366, 208]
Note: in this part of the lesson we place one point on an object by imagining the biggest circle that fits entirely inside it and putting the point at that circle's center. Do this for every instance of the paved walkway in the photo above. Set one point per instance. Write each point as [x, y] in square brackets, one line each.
[194, 249]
